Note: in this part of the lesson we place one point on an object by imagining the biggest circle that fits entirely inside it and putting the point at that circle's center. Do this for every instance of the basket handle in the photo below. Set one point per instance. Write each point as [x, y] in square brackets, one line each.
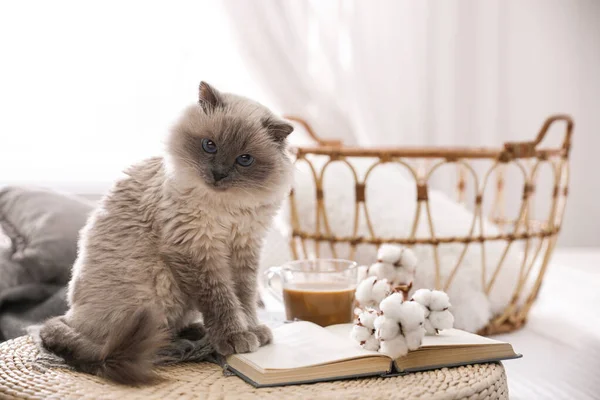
[312, 134]
[527, 149]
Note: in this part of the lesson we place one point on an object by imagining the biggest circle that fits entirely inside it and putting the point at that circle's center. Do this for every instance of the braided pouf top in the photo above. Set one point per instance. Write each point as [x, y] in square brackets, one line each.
[20, 379]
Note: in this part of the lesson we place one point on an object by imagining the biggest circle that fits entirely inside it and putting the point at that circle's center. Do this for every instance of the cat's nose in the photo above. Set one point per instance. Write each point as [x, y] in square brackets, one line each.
[219, 175]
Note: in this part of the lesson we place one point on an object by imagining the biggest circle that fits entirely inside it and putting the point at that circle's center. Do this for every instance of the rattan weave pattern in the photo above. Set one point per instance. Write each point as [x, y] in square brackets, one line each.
[19, 379]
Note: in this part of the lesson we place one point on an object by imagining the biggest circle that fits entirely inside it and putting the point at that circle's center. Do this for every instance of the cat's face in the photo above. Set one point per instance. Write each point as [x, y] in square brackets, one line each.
[231, 145]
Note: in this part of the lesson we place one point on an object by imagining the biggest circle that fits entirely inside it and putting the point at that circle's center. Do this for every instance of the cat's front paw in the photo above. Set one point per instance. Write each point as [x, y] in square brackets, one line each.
[195, 331]
[239, 342]
[263, 333]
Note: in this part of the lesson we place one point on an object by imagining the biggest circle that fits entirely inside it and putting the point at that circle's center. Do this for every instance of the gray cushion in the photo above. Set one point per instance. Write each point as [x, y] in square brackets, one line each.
[11, 273]
[43, 227]
[29, 304]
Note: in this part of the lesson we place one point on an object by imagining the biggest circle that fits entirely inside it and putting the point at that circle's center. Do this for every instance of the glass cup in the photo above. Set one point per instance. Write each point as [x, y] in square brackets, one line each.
[319, 291]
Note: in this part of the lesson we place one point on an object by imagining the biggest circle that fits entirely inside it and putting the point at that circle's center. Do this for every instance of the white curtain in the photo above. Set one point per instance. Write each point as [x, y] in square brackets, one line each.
[401, 72]
[294, 59]
[89, 87]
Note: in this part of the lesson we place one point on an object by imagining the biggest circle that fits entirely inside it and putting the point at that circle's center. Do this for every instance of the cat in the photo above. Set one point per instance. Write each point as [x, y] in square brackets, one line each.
[176, 239]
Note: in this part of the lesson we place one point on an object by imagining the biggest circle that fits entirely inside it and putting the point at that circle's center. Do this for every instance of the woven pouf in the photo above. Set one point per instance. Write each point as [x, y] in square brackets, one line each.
[20, 379]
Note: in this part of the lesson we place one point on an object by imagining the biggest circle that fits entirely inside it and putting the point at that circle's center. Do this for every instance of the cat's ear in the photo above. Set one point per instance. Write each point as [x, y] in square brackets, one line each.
[279, 130]
[209, 97]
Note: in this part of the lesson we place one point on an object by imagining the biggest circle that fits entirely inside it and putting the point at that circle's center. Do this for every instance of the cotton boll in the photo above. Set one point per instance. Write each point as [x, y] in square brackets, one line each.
[381, 289]
[404, 276]
[386, 328]
[439, 301]
[394, 298]
[389, 253]
[383, 271]
[471, 306]
[441, 319]
[411, 316]
[360, 333]
[390, 306]
[362, 272]
[367, 318]
[364, 291]
[395, 347]
[423, 297]
[429, 329]
[408, 260]
[371, 344]
[379, 321]
[414, 338]
[426, 310]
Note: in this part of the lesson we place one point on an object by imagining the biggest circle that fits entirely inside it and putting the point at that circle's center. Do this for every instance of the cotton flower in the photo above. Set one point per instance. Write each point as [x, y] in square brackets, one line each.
[389, 253]
[383, 271]
[381, 289]
[395, 347]
[422, 296]
[371, 343]
[398, 256]
[429, 327]
[363, 331]
[364, 290]
[390, 306]
[371, 291]
[408, 260]
[362, 272]
[366, 318]
[395, 326]
[414, 338]
[411, 316]
[436, 306]
[439, 301]
[403, 276]
[401, 324]
[395, 263]
[386, 328]
[441, 319]
[360, 333]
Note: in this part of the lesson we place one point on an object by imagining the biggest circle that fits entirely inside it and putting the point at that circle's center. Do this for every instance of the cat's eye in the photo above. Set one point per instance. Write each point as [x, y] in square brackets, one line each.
[245, 160]
[209, 146]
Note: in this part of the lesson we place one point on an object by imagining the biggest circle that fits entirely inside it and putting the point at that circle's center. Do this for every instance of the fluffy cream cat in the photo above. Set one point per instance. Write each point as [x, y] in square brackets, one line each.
[179, 237]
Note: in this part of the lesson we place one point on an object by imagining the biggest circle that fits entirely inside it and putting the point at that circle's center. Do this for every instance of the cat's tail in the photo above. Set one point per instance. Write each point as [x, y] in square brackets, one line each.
[126, 357]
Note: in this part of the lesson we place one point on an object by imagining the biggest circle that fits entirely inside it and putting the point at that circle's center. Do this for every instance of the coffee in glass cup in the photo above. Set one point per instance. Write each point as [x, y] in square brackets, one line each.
[319, 291]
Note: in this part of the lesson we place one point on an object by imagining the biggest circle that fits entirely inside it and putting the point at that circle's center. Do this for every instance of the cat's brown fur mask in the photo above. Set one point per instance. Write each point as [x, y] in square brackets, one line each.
[237, 126]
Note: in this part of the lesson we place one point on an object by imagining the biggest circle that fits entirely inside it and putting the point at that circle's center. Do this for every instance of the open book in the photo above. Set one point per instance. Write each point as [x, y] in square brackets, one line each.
[303, 352]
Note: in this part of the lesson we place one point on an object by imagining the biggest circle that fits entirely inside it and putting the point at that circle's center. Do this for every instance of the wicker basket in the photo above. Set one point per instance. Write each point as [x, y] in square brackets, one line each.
[486, 168]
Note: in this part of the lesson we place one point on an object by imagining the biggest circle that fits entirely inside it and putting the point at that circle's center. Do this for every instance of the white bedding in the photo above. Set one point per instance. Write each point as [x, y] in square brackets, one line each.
[561, 341]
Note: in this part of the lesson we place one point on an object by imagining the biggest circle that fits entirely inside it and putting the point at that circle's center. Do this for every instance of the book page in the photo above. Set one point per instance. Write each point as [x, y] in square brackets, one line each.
[456, 337]
[303, 344]
[342, 331]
